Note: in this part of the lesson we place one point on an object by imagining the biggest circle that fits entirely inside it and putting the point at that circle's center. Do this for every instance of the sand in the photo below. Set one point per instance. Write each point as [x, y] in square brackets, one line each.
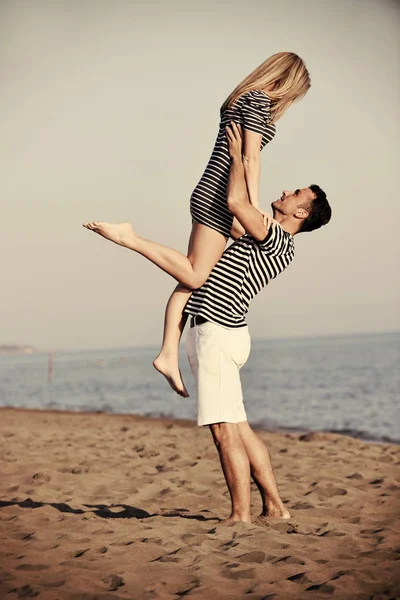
[96, 506]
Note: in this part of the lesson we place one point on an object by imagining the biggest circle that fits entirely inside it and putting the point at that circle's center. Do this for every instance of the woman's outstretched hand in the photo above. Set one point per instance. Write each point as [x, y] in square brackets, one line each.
[268, 219]
[235, 141]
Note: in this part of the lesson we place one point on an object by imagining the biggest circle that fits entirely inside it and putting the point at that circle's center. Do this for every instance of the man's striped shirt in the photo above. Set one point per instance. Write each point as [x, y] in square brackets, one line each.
[243, 270]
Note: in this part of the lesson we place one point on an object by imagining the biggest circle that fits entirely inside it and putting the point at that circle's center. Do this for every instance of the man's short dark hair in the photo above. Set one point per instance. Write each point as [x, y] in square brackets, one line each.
[319, 210]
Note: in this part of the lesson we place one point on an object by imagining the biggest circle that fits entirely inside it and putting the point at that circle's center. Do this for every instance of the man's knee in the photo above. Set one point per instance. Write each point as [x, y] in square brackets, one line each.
[225, 434]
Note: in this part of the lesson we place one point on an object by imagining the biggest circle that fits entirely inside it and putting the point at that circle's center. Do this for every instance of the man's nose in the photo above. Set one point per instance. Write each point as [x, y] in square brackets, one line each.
[286, 193]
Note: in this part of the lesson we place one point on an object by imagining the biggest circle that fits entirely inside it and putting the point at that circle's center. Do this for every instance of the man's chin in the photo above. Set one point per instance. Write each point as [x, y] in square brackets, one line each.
[274, 208]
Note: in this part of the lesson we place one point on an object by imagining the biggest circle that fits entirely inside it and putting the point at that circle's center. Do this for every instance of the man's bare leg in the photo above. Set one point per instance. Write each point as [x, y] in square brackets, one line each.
[262, 472]
[236, 468]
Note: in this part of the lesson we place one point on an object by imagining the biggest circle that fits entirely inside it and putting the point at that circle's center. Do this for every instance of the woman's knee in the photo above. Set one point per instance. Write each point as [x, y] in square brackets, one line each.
[196, 280]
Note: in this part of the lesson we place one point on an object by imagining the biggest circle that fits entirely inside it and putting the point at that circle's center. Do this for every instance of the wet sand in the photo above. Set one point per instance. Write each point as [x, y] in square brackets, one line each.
[98, 506]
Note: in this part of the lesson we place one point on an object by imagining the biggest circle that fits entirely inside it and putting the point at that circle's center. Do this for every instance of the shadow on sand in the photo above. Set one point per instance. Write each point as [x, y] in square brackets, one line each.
[108, 512]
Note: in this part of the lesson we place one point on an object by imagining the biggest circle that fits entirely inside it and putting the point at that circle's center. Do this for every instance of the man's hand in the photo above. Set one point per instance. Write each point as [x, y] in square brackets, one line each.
[235, 141]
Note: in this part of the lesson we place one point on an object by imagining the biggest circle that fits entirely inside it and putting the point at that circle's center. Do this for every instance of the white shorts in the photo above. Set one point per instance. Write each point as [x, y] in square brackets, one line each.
[215, 355]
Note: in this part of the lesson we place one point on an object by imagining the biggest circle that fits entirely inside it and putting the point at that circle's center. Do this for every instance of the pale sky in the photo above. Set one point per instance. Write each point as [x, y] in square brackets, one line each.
[109, 111]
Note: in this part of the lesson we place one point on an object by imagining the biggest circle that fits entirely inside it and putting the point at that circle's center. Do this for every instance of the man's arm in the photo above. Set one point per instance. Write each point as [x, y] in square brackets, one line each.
[237, 196]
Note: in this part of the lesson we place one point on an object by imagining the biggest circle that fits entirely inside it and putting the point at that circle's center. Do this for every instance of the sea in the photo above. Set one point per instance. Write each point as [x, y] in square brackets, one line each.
[343, 384]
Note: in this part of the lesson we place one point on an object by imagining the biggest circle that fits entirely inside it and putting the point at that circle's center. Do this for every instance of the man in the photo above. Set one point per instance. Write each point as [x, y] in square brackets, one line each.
[218, 342]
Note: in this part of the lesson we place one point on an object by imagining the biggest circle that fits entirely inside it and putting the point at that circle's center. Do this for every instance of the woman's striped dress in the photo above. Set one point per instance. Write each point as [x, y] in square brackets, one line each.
[208, 204]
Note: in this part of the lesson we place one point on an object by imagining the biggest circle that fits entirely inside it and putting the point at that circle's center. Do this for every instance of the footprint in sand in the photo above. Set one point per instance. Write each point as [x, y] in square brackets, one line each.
[355, 476]
[11, 489]
[285, 527]
[80, 553]
[52, 583]
[256, 556]
[153, 540]
[138, 448]
[184, 590]
[26, 591]
[23, 535]
[28, 567]
[324, 588]
[230, 544]
[354, 520]
[114, 582]
[170, 557]
[332, 533]
[329, 492]
[175, 457]
[386, 459]
[299, 578]
[166, 492]
[340, 574]
[74, 470]
[377, 482]
[240, 573]
[149, 454]
[303, 506]
[290, 560]
[41, 477]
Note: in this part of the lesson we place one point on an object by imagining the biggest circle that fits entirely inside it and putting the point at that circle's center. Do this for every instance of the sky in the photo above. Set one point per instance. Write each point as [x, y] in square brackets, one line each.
[109, 111]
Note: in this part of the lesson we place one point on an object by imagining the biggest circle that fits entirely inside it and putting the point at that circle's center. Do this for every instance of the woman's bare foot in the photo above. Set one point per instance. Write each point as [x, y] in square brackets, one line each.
[119, 233]
[170, 369]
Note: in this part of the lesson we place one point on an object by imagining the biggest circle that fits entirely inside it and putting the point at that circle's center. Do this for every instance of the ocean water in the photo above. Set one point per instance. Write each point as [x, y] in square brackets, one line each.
[347, 384]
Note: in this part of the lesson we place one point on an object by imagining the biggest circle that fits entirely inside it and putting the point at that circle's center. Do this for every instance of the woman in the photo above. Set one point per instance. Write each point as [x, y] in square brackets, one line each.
[256, 104]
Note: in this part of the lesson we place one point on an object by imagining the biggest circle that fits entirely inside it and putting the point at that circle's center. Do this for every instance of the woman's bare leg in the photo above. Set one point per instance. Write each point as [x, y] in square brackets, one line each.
[190, 271]
[205, 249]
[167, 361]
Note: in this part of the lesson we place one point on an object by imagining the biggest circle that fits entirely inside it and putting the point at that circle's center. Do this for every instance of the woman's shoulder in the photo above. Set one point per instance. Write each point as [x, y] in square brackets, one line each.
[254, 104]
[257, 95]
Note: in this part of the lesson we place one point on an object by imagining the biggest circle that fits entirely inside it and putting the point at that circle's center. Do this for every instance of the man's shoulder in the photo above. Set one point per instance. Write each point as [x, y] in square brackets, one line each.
[277, 240]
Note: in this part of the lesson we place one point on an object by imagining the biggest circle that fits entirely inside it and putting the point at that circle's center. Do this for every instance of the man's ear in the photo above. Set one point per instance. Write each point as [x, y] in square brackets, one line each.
[301, 213]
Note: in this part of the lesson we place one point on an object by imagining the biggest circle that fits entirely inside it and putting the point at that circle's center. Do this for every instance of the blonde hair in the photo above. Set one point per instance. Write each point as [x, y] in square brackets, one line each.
[289, 75]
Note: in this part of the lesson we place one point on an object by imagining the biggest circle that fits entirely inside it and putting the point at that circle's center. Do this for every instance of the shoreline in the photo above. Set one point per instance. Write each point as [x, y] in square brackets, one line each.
[362, 436]
[155, 346]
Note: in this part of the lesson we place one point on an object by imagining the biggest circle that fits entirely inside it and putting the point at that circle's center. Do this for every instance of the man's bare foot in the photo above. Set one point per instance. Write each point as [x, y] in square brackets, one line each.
[236, 519]
[119, 233]
[170, 369]
[275, 512]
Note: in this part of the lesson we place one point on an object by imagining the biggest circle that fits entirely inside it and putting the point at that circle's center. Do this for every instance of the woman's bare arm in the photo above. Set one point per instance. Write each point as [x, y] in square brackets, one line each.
[252, 165]
[237, 229]
[244, 212]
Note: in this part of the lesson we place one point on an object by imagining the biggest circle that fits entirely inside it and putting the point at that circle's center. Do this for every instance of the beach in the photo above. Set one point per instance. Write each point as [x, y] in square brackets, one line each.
[104, 506]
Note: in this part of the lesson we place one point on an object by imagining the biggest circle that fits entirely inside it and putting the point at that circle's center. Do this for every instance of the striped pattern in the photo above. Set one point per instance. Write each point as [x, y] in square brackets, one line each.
[208, 202]
[243, 270]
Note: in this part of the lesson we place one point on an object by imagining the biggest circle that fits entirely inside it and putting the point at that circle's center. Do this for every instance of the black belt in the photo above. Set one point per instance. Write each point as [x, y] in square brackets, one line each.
[197, 320]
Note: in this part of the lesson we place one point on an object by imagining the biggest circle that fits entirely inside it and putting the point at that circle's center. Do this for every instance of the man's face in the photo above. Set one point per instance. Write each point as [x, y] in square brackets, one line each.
[290, 202]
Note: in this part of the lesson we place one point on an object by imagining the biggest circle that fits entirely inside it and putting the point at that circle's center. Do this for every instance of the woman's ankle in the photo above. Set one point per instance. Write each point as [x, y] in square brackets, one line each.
[168, 353]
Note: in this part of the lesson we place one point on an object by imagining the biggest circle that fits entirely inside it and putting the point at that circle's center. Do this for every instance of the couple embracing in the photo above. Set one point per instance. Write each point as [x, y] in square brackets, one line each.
[217, 284]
